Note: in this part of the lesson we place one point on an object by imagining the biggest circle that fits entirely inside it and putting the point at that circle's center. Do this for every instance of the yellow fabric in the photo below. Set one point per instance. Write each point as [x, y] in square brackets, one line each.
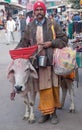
[53, 31]
[57, 97]
[80, 2]
[49, 100]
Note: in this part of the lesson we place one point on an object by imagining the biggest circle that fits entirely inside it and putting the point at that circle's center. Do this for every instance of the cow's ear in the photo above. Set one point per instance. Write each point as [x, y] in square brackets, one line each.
[33, 72]
[10, 69]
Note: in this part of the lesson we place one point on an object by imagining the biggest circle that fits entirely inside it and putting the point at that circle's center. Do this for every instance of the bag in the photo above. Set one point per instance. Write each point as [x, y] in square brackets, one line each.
[70, 76]
[64, 61]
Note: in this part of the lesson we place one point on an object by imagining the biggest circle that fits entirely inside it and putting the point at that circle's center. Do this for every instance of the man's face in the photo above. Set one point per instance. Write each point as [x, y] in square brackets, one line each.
[10, 18]
[20, 16]
[39, 13]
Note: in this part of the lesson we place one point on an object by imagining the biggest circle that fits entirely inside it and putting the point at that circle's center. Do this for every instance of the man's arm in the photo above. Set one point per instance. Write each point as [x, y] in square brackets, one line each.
[61, 38]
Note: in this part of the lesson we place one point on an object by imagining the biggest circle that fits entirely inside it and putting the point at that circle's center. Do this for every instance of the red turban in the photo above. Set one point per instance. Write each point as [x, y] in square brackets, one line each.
[40, 4]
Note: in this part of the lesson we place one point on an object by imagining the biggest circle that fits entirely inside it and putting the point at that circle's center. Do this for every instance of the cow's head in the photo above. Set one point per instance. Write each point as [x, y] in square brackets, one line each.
[22, 69]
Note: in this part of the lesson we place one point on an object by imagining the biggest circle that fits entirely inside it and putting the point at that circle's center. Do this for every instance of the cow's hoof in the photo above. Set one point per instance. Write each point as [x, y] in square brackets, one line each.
[31, 121]
[72, 111]
[25, 102]
[25, 118]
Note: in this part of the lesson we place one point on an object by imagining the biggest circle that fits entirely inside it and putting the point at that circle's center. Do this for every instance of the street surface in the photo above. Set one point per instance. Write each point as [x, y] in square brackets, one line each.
[11, 112]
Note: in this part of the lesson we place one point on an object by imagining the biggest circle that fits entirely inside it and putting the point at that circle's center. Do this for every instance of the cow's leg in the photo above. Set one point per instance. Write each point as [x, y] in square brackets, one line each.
[31, 105]
[71, 92]
[64, 92]
[32, 97]
[27, 111]
[32, 116]
[12, 81]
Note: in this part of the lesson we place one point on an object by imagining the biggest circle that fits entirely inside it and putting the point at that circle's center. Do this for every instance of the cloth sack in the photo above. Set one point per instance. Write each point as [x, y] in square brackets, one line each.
[64, 61]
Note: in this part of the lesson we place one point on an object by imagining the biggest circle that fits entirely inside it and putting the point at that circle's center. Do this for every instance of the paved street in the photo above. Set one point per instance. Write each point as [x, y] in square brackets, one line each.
[3, 37]
[11, 112]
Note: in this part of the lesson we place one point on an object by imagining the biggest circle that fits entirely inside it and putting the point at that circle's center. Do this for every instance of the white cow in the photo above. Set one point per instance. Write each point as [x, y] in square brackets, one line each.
[24, 80]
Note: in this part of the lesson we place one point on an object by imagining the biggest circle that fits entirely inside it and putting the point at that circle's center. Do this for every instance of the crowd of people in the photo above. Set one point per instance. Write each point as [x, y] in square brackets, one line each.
[65, 20]
[19, 24]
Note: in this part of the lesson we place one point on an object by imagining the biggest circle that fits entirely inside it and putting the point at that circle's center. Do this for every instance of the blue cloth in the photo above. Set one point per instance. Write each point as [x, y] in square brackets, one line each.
[76, 18]
[56, 18]
[40, 23]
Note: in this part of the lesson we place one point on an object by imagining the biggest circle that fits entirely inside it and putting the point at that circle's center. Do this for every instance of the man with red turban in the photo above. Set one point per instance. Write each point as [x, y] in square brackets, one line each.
[48, 36]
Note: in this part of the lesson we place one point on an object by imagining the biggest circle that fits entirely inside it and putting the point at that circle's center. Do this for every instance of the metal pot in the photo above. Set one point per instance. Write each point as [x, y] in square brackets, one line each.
[42, 61]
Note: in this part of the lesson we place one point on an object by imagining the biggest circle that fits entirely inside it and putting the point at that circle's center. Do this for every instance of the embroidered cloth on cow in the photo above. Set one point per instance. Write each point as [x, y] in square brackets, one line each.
[24, 53]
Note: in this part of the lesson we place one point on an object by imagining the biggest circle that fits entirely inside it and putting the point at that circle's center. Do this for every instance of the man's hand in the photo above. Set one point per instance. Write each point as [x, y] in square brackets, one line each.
[46, 44]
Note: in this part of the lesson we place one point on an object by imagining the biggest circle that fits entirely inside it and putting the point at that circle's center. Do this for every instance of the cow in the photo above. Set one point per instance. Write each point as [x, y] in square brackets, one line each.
[24, 80]
[67, 85]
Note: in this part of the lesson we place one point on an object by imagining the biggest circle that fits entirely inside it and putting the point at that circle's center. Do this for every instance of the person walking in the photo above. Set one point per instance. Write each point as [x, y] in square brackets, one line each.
[22, 24]
[10, 28]
[39, 32]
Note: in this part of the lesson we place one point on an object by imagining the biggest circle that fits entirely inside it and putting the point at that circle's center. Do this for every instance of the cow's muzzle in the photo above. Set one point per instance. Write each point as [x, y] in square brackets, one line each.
[18, 89]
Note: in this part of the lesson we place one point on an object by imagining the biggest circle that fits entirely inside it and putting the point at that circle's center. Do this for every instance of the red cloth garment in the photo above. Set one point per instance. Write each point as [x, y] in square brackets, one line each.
[24, 53]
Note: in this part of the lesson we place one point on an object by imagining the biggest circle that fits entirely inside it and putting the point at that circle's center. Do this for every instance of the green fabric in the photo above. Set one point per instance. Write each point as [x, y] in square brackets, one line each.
[52, 3]
[70, 30]
[8, 1]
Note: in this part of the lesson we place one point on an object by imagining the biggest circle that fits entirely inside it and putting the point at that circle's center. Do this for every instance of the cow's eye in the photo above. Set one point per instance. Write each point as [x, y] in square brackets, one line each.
[27, 69]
